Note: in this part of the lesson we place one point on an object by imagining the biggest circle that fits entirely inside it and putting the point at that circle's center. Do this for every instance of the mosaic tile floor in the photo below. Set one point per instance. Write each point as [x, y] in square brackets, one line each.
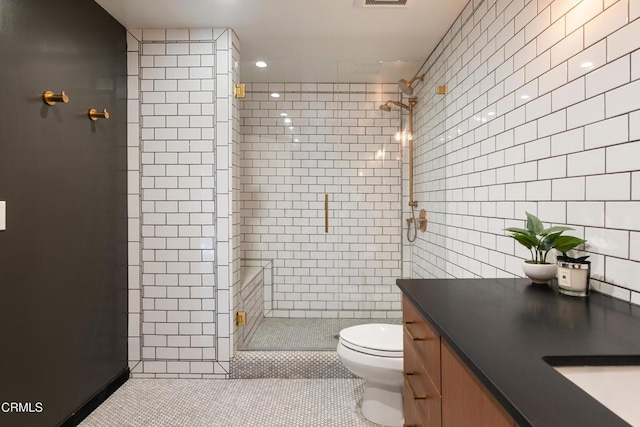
[230, 403]
[303, 334]
[288, 364]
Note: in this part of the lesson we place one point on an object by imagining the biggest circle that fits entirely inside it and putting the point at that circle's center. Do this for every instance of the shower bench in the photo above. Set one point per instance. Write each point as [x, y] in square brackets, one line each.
[254, 296]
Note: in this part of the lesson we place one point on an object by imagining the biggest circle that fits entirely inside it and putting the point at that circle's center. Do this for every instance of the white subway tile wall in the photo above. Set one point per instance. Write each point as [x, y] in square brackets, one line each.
[177, 232]
[133, 197]
[317, 139]
[227, 189]
[234, 73]
[541, 116]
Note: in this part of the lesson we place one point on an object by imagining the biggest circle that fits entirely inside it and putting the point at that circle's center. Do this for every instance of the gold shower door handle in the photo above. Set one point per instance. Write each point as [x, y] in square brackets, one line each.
[326, 212]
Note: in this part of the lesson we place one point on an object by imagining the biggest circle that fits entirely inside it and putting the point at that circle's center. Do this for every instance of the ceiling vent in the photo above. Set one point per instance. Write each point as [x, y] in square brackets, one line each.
[381, 3]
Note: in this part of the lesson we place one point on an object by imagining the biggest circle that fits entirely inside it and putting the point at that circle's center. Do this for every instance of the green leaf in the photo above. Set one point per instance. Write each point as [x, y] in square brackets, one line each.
[566, 243]
[549, 241]
[533, 224]
[555, 229]
[526, 240]
[517, 230]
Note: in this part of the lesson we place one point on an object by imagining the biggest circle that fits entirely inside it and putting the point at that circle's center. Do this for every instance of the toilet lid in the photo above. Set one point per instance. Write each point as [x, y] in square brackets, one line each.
[377, 339]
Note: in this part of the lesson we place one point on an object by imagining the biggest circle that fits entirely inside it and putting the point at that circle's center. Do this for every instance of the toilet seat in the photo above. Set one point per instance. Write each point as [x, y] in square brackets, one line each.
[375, 339]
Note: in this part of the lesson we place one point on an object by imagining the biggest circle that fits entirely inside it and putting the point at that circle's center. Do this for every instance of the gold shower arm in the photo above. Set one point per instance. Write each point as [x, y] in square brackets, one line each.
[421, 78]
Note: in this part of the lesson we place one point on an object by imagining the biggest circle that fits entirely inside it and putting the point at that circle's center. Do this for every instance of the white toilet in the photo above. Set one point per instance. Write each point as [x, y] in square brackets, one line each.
[374, 352]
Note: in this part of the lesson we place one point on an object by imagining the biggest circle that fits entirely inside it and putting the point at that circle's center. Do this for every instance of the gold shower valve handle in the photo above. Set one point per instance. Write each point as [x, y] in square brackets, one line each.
[422, 221]
[95, 115]
[51, 98]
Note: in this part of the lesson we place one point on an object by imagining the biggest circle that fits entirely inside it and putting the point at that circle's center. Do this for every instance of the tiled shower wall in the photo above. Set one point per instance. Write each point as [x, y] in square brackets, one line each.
[227, 144]
[234, 161]
[334, 140]
[133, 198]
[542, 115]
[184, 145]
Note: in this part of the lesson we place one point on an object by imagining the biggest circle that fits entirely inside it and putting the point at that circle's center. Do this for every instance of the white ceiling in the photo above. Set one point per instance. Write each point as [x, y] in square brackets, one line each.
[308, 40]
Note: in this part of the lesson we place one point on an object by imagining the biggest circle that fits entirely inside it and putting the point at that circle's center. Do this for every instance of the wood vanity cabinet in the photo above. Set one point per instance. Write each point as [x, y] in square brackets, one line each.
[422, 383]
[439, 390]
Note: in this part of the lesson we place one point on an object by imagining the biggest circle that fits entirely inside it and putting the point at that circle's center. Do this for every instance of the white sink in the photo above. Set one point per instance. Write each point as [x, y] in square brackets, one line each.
[616, 387]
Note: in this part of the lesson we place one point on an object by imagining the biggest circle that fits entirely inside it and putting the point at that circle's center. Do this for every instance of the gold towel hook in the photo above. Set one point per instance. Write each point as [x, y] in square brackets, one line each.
[51, 98]
[95, 115]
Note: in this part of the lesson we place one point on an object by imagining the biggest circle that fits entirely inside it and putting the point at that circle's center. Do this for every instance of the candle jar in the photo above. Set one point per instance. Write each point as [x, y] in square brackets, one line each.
[573, 277]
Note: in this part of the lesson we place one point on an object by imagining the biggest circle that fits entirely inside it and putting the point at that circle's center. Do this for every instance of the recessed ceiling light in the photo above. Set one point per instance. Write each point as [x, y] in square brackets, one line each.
[586, 64]
[524, 97]
[275, 95]
[284, 114]
[261, 64]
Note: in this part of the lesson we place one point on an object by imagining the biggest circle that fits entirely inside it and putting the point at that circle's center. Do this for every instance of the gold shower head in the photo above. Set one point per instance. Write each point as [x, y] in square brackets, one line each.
[385, 106]
[406, 86]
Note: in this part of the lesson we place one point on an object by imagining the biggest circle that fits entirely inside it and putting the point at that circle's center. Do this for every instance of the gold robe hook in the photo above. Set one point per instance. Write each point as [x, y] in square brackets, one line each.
[51, 98]
[95, 115]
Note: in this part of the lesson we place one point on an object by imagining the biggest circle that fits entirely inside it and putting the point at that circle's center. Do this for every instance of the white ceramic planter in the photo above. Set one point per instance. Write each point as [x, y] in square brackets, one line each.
[539, 273]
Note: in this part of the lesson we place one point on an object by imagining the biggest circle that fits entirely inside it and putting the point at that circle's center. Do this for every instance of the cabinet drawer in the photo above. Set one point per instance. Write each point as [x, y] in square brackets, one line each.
[411, 417]
[424, 339]
[420, 388]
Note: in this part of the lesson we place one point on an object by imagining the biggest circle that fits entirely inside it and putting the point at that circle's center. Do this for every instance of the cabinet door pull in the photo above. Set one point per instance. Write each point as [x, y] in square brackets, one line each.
[411, 389]
[410, 332]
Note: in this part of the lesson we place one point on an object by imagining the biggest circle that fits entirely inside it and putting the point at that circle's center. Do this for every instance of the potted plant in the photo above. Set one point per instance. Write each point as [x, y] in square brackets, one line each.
[540, 241]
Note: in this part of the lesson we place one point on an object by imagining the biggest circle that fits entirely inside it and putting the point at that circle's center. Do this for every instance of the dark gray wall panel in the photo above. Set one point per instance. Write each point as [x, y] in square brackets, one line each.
[63, 280]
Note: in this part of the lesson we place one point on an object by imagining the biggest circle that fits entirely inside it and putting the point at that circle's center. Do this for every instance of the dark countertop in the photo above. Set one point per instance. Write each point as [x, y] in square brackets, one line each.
[502, 329]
